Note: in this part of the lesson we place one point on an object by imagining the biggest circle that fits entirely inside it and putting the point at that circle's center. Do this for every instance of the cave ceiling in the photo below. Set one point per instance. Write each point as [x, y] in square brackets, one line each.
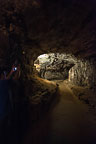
[44, 26]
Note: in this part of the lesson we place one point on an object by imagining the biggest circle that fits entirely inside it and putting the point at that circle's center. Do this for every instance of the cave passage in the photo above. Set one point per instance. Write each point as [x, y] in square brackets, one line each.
[68, 121]
[52, 46]
[54, 66]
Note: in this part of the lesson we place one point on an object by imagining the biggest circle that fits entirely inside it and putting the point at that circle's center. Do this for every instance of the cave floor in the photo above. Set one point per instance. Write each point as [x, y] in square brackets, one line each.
[68, 121]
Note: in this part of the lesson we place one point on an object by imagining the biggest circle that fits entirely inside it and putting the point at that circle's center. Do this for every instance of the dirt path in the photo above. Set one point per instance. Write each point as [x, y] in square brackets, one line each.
[68, 122]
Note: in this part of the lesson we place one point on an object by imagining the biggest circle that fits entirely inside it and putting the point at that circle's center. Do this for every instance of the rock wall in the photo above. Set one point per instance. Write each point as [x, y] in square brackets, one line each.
[54, 66]
[28, 30]
[83, 73]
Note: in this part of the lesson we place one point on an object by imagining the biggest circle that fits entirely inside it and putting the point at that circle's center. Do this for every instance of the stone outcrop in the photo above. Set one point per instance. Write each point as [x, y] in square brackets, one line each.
[83, 73]
[63, 66]
[54, 66]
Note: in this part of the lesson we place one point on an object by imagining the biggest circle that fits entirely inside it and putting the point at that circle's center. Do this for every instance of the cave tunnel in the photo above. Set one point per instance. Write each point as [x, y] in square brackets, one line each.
[48, 71]
[54, 66]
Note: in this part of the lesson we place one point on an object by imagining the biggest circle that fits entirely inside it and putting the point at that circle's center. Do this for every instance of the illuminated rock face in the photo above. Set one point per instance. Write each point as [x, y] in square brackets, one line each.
[83, 73]
[54, 66]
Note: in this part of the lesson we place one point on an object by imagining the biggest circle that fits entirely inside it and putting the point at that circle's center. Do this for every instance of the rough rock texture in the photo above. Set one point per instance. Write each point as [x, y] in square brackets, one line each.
[50, 26]
[86, 94]
[38, 89]
[83, 73]
[29, 28]
[63, 66]
[40, 93]
[54, 66]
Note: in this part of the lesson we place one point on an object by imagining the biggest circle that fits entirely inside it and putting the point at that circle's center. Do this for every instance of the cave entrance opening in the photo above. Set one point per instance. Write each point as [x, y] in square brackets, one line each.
[54, 66]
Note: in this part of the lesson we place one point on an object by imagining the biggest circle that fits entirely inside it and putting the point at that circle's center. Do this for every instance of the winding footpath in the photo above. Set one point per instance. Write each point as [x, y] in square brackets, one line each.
[69, 121]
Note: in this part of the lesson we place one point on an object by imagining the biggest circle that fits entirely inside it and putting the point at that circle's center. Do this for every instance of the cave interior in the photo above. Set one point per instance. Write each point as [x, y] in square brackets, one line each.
[54, 42]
